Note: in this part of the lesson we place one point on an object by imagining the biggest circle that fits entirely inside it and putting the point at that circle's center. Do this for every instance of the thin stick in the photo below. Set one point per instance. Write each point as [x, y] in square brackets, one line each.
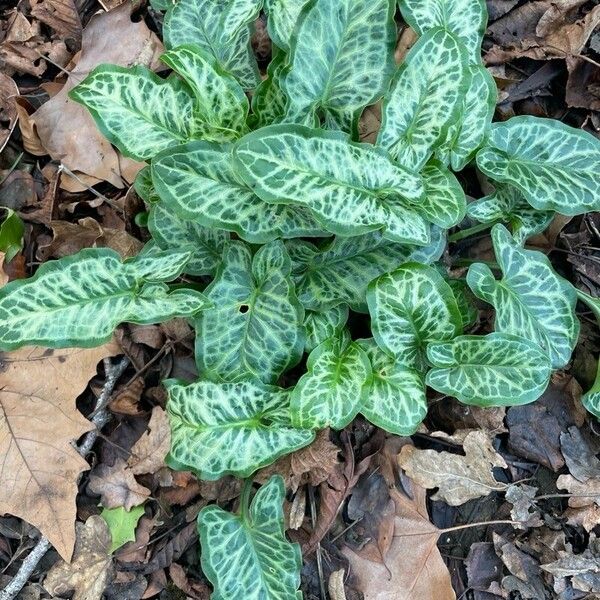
[101, 417]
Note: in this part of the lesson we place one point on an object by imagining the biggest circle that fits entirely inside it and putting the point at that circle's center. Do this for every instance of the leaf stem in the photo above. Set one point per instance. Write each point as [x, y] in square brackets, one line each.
[245, 500]
[465, 233]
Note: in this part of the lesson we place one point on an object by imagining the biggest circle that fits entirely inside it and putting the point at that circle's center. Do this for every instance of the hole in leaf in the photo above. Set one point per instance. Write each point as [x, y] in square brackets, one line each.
[243, 308]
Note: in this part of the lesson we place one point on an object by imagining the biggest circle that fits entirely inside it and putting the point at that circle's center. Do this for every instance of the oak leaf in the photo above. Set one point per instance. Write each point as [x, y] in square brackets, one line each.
[413, 568]
[38, 423]
[458, 478]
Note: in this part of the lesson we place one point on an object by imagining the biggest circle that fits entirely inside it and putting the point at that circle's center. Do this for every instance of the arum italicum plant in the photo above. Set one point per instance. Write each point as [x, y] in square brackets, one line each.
[296, 224]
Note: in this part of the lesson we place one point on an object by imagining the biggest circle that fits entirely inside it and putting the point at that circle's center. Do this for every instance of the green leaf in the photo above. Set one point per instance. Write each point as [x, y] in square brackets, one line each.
[339, 272]
[424, 99]
[331, 393]
[493, 370]
[221, 105]
[591, 399]
[592, 302]
[219, 27]
[269, 100]
[396, 400]
[465, 301]
[341, 60]
[144, 187]
[409, 308]
[11, 234]
[256, 326]
[351, 188]
[205, 244]
[466, 19]
[466, 135]
[121, 524]
[198, 181]
[248, 557]
[137, 111]
[283, 17]
[320, 326]
[555, 166]
[531, 300]
[80, 299]
[508, 205]
[222, 429]
[444, 203]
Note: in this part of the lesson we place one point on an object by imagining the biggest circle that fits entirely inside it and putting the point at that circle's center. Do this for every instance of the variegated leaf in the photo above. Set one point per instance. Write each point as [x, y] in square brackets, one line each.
[320, 326]
[531, 300]
[283, 17]
[137, 111]
[256, 326]
[424, 99]
[396, 400]
[465, 301]
[341, 60]
[556, 166]
[222, 429]
[144, 187]
[493, 370]
[507, 204]
[591, 399]
[409, 308]
[199, 182]
[466, 135]
[444, 203]
[221, 105]
[466, 19]
[246, 556]
[206, 245]
[351, 188]
[269, 100]
[331, 393]
[80, 299]
[221, 28]
[340, 272]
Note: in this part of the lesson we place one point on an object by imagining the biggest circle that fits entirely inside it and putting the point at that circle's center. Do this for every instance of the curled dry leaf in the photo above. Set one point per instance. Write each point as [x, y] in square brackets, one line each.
[66, 129]
[8, 111]
[40, 467]
[335, 585]
[149, 452]
[117, 487]
[458, 478]
[91, 569]
[524, 512]
[62, 17]
[413, 568]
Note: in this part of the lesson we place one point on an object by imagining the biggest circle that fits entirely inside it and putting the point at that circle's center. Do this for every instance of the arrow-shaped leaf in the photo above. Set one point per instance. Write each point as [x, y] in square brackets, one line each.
[531, 300]
[283, 17]
[199, 182]
[320, 326]
[256, 326]
[444, 203]
[409, 308]
[331, 393]
[493, 370]
[396, 400]
[556, 166]
[425, 97]
[80, 299]
[230, 428]
[248, 556]
[351, 188]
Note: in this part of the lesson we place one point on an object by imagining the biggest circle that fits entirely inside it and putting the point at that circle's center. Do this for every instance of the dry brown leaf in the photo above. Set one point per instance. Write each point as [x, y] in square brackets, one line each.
[459, 478]
[335, 585]
[31, 140]
[38, 422]
[584, 493]
[126, 401]
[586, 516]
[413, 567]
[583, 85]
[117, 486]
[524, 511]
[66, 129]
[8, 111]
[149, 452]
[60, 15]
[91, 569]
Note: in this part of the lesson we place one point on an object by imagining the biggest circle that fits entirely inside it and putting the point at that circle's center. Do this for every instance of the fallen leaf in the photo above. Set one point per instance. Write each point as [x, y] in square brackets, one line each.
[584, 493]
[458, 478]
[66, 129]
[62, 17]
[117, 486]
[149, 452]
[583, 85]
[126, 401]
[137, 550]
[38, 423]
[524, 511]
[484, 567]
[91, 569]
[579, 454]
[121, 524]
[413, 568]
[586, 516]
[335, 585]
[8, 112]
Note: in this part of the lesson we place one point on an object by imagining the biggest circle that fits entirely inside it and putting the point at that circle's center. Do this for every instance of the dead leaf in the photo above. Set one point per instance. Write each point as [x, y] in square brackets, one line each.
[38, 423]
[8, 112]
[583, 85]
[459, 478]
[61, 16]
[137, 550]
[149, 452]
[524, 511]
[66, 129]
[91, 569]
[413, 567]
[15, 269]
[117, 486]
[584, 493]
[586, 516]
[484, 568]
[335, 585]
[579, 454]
[126, 401]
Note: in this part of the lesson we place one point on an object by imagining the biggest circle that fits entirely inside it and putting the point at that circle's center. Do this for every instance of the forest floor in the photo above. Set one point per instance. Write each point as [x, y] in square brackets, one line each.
[523, 524]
